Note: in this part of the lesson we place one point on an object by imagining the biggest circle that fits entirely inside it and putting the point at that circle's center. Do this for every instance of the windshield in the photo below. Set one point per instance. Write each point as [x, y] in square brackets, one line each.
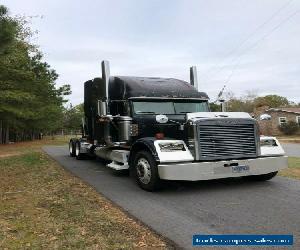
[176, 107]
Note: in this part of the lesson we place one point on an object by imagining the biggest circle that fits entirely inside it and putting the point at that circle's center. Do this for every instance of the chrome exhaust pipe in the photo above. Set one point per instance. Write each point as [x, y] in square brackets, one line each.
[103, 108]
[193, 77]
[105, 77]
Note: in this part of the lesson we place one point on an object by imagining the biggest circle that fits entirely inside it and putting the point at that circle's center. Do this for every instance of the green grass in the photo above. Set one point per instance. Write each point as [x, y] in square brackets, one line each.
[44, 207]
[293, 171]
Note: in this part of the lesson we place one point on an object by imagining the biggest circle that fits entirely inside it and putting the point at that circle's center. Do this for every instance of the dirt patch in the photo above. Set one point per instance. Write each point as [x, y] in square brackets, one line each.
[3, 155]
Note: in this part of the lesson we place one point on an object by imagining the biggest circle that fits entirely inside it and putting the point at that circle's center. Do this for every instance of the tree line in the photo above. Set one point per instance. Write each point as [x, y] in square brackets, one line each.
[251, 101]
[254, 104]
[30, 101]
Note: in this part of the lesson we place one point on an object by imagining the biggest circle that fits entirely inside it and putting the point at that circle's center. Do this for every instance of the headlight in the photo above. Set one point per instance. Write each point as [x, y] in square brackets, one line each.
[170, 147]
[268, 143]
[270, 146]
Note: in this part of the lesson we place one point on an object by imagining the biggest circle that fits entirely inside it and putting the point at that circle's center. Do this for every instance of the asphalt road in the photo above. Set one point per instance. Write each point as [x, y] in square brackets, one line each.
[182, 209]
[291, 149]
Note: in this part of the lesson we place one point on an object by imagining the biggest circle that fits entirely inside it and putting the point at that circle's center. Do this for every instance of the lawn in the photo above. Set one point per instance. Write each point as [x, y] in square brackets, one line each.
[44, 207]
[293, 170]
[23, 147]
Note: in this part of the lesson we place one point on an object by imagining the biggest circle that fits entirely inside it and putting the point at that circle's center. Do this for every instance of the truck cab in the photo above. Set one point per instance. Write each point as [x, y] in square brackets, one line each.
[162, 129]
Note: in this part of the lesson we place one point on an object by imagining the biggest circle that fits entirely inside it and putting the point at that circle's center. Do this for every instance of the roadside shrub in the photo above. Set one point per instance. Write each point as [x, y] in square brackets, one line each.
[290, 128]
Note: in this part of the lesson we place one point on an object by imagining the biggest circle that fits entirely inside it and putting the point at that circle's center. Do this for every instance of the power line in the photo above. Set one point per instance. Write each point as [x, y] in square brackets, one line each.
[259, 27]
[257, 43]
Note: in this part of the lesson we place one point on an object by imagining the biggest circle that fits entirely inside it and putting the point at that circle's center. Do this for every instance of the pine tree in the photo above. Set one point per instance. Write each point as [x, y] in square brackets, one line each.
[30, 102]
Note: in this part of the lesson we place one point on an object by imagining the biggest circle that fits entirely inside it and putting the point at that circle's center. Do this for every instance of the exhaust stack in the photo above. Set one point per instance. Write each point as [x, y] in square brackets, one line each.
[193, 77]
[105, 77]
[102, 104]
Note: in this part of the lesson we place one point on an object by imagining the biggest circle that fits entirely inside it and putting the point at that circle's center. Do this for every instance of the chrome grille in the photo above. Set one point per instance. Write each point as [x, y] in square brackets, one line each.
[227, 140]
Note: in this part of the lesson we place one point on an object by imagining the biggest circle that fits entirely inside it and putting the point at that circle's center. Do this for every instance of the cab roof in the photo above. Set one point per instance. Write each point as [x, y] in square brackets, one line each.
[129, 87]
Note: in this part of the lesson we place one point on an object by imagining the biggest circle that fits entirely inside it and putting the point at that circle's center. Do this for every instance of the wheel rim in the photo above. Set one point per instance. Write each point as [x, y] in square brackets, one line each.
[70, 148]
[143, 170]
[77, 149]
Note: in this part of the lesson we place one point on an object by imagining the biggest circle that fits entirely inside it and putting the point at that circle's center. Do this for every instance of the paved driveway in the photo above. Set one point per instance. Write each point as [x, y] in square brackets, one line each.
[184, 208]
[292, 149]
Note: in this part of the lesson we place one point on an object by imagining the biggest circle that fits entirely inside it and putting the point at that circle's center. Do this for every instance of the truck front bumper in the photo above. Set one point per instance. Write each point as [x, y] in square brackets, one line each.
[194, 171]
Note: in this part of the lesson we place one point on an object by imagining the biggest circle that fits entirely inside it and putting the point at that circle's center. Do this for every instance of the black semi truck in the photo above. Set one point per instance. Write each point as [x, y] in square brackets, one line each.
[162, 129]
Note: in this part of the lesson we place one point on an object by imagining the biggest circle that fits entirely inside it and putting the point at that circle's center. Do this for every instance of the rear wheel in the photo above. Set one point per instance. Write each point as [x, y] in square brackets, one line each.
[262, 177]
[72, 148]
[79, 156]
[146, 172]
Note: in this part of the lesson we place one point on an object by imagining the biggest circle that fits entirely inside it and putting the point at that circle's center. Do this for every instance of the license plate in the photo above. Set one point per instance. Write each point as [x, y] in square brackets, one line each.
[240, 169]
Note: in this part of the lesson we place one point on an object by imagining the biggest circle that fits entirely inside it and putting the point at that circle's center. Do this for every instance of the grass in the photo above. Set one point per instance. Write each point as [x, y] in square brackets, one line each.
[293, 171]
[23, 147]
[44, 207]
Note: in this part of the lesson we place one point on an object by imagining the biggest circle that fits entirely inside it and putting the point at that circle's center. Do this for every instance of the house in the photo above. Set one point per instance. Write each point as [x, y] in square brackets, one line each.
[279, 116]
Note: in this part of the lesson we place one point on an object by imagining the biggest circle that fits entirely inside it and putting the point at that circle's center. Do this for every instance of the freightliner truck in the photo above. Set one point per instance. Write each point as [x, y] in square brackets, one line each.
[162, 129]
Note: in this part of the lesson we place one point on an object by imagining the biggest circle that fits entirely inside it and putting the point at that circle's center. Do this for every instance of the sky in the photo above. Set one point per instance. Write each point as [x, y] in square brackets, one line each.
[246, 45]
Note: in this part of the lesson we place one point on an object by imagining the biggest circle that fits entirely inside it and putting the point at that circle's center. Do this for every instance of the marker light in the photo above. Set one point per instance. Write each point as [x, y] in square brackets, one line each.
[159, 136]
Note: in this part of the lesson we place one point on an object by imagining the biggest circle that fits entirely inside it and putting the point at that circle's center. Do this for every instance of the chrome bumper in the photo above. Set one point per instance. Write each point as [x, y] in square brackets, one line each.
[194, 171]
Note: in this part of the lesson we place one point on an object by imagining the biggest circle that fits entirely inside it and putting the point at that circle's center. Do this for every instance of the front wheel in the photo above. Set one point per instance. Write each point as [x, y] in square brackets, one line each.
[146, 172]
[262, 177]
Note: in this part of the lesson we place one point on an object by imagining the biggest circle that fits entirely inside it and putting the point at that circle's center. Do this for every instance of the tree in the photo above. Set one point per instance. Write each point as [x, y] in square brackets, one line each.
[8, 33]
[30, 102]
[8, 29]
[272, 101]
[251, 101]
[72, 117]
[214, 107]
[240, 104]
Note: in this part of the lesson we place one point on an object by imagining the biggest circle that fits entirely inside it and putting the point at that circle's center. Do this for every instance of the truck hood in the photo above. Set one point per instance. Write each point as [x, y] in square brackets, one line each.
[216, 115]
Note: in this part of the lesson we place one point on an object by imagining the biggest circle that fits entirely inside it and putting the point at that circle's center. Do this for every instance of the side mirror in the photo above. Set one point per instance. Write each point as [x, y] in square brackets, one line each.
[265, 117]
[161, 118]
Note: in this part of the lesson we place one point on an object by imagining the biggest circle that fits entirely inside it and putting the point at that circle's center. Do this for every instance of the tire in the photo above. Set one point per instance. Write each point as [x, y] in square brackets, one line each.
[72, 148]
[79, 156]
[262, 177]
[146, 172]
